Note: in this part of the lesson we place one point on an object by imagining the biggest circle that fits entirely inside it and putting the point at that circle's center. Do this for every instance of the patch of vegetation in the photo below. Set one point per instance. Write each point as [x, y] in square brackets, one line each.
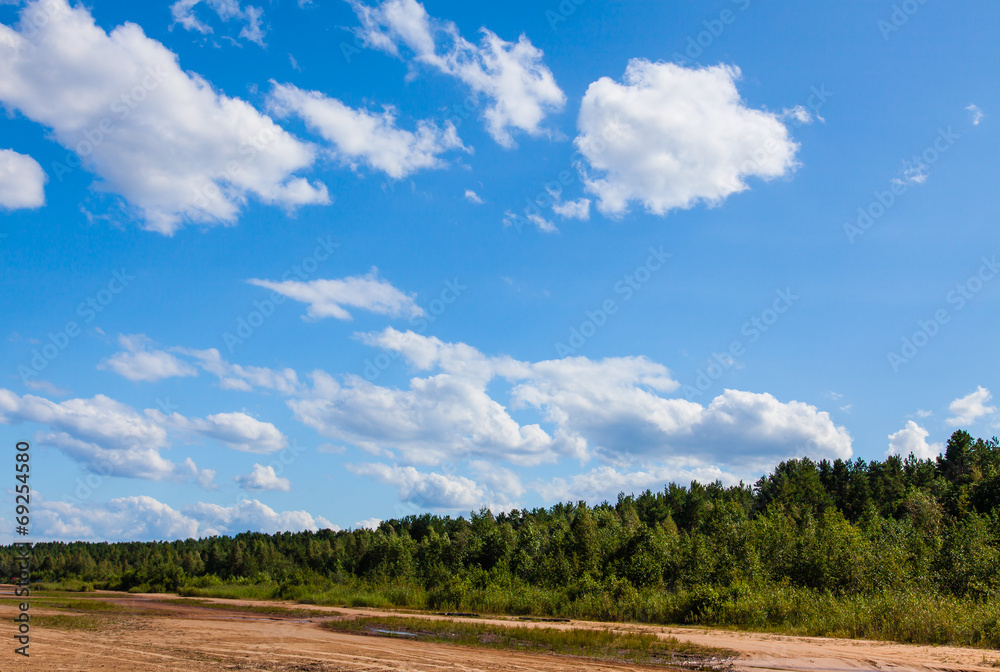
[82, 622]
[603, 644]
[265, 610]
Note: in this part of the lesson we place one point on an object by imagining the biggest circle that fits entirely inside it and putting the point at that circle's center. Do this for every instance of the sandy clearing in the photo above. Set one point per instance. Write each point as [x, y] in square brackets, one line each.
[194, 638]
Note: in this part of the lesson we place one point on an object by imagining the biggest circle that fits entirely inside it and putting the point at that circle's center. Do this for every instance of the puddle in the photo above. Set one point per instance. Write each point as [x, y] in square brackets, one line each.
[395, 632]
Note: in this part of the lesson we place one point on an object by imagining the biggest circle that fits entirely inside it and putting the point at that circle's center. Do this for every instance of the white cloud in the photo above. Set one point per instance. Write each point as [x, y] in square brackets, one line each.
[911, 175]
[361, 136]
[977, 114]
[22, 181]
[160, 137]
[250, 514]
[800, 115]
[238, 431]
[505, 483]
[121, 519]
[263, 478]
[144, 518]
[113, 439]
[578, 209]
[543, 225]
[368, 524]
[427, 490]
[473, 196]
[245, 378]
[966, 410]
[612, 409]
[108, 437]
[913, 439]
[139, 363]
[182, 12]
[328, 298]
[670, 137]
[438, 418]
[512, 76]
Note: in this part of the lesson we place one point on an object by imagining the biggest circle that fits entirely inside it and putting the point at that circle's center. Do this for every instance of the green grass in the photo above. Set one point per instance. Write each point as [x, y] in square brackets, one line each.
[603, 644]
[233, 591]
[70, 585]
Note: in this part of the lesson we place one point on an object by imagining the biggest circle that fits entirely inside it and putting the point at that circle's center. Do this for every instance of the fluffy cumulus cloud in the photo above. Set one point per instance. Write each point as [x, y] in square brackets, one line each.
[617, 410]
[162, 138]
[123, 518]
[183, 13]
[968, 409]
[22, 181]
[520, 88]
[113, 439]
[669, 137]
[461, 413]
[105, 435]
[439, 418]
[614, 407]
[912, 440]
[365, 137]
[331, 298]
[426, 490]
[238, 431]
[145, 518]
[263, 478]
[138, 362]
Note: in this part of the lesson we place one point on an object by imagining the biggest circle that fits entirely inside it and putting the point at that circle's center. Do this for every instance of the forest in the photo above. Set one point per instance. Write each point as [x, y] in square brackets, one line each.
[902, 549]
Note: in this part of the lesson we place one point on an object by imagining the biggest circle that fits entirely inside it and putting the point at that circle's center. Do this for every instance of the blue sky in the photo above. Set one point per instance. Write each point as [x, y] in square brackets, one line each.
[315, 264]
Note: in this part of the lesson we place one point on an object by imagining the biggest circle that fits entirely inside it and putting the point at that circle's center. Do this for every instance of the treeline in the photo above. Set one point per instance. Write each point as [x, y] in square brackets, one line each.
[807, 535]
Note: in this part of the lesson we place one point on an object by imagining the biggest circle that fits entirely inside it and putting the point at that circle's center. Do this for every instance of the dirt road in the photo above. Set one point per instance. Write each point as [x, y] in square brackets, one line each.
[184, 636]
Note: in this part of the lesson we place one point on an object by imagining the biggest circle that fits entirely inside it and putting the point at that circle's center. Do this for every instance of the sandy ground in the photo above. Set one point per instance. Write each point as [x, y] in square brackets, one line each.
[187, 637]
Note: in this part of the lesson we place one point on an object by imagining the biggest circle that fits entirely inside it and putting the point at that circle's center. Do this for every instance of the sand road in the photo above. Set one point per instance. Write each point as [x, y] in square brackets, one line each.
[187, 637]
